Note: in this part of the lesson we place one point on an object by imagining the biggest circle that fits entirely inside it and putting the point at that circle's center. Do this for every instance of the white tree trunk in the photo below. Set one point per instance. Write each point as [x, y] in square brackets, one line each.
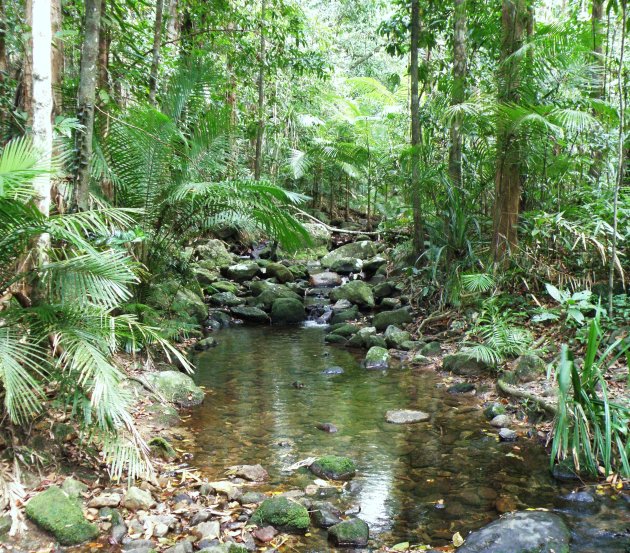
[42, 97]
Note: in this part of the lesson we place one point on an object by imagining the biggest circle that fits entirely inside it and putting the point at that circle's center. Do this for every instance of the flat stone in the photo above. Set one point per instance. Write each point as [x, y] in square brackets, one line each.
[520, 532]
[136, 499]
[325, 279]
[253, 473]
[501, 421]
[406, 416]
[265, 534]
[105, 500]
[507, 435]
[208, 530]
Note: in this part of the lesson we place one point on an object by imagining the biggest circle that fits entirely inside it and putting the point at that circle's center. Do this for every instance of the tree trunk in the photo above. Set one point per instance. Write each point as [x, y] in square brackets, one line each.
[598, 90]
[4, 66]
[172, 25]
[157, 42]
[515, 20]
[26, 96]
[261, 96]
[57, 56]
[418, 231]
[458, 95]
[42, 98]
[104, 42]
[620, 157]
[85, 101]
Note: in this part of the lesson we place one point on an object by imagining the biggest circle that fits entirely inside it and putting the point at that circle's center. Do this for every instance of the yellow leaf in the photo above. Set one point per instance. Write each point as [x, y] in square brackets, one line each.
[401, 546]
[458, 541]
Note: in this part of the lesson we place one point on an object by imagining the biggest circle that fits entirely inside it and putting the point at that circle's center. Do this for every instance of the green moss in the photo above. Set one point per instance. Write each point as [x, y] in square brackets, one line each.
[350, 532]
[162, 448]
[334, 467]
[283, 514]
[62, 516]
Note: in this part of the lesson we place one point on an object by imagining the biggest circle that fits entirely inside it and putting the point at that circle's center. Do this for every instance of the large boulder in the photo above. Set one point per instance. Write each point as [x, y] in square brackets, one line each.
[325, 279]
[176, 387]
[358, 250]
[283, 514]
[349, 314]
[267, 297]
[214, 252]
[463, 364]
[520, 532]
[346, 265]
[361, 338]
[250, 314]
[245, 270]
[226, 299]
[334, 467]
[319, 234]
[350, 533]
[529, 367]
[62, 516]
[281, 273]
[356, 292]
[397, 317]
[287, 311]
[377, 358]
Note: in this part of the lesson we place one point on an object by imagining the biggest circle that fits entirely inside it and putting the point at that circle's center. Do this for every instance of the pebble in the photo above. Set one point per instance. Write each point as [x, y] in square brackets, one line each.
[507, 435]
[501, 421]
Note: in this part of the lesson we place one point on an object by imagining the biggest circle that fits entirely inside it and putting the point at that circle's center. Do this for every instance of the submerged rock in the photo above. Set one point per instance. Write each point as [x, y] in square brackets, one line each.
[326, 427]
[461, 388]
[325, 515]
[176, 387]
[205, 344]
[520, 532]
[333, 370]
[507, 435]
[377, 358]
[350, 533]
[62, 516]
[334, 467]
[283, 514]
[406, 416]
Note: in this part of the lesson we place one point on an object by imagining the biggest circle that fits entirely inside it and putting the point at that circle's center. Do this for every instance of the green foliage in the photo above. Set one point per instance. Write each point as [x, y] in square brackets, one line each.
[589, 427]
[573, 306]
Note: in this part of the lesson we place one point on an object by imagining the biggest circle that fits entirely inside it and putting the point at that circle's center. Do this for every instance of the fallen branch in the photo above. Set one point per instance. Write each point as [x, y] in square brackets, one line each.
[435, 316]
[522, 394]
[333, 229]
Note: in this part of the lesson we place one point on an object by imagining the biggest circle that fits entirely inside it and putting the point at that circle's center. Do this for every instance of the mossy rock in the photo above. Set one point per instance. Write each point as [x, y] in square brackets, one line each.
[287, 311]
[463, 364]
[164, 416]
[281, 273]
[225, 286]
[334, 338]
[529, 367]
[283, 514]
[250, 314]
[345, 315]
[344, 329]
[334, 467]
[243, 271]
[226, 299]
[350, 533]
[214, 252]
[356, 292]
[377, 358]
[62, 516]
[176, 387]
[162, 448]
[364, 249]
[493, 409]
[266, 298]
[394, 336]
[397, 317]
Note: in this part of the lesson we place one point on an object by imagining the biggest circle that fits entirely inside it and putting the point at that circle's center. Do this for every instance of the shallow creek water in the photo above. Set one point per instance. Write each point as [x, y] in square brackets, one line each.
[254, 414]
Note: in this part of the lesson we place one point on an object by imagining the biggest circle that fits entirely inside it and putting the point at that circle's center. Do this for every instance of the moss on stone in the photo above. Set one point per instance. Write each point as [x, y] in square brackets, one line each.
[334, 467]
[353, 532]
[162, 448]
[62, 516]
[283, 514]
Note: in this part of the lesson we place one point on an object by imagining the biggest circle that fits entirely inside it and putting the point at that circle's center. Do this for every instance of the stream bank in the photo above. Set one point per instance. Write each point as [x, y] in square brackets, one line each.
[273, 395]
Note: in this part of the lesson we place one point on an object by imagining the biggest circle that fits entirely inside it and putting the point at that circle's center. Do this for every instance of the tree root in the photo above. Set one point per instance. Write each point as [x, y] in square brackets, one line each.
[522, 394]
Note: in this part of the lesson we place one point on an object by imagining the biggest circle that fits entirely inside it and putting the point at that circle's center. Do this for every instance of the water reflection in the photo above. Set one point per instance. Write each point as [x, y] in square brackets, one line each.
[417, 483]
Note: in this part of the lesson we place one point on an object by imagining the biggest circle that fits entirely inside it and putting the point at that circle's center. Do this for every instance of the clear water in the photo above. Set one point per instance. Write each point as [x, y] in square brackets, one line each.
[254, 414]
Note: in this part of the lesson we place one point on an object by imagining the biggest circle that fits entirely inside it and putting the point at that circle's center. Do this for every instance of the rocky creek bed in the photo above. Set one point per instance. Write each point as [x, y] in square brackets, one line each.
[320, 418]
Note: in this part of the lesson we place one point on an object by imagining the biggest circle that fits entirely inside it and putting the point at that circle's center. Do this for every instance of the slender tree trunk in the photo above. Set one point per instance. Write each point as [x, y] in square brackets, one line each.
[26, 97]
[172, 25]
[515, 21]
[620, 157]
[86, 99]
[57, 56]
[157, 42]
[261, 96]
[458, 95]
[104, 42]
[347, 198]
[598, 92]
[418, 231]
[4, 65]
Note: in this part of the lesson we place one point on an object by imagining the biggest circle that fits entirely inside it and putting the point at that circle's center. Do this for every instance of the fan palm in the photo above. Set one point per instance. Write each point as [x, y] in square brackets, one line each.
[59, 322]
